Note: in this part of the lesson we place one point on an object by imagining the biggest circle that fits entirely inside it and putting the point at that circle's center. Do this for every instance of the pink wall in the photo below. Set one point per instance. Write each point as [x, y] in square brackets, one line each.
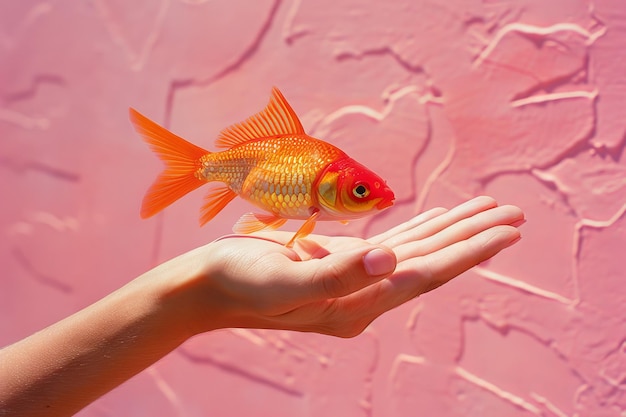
[522, 100]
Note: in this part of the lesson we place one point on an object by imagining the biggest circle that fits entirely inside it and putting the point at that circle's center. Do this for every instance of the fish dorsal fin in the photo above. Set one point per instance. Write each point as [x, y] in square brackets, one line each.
[278, 118]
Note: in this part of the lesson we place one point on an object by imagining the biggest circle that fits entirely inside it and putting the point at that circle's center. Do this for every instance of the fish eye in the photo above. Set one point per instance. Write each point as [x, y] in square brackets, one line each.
[361, 191]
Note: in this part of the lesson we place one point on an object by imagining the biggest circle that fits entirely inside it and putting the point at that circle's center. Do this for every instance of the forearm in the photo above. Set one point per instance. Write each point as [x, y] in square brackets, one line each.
[64, 367]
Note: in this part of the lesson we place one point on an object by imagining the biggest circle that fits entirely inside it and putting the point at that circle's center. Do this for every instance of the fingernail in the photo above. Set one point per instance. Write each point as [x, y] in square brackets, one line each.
[518, 223]
[379, 262]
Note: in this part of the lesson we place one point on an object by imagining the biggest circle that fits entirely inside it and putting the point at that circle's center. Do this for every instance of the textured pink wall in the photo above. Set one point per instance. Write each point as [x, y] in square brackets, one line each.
[522, 100]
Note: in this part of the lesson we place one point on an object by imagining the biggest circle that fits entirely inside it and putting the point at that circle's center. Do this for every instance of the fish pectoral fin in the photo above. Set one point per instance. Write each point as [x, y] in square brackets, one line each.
[278, 118]
[305, 229]
[253, 222]
[215, 201]
[344, 221]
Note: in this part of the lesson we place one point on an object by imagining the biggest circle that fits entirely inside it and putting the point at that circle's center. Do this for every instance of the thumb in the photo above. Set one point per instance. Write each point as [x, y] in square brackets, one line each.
[342, 273]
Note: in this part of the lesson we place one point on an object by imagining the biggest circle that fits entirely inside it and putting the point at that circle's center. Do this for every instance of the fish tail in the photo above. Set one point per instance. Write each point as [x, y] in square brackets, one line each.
[182, 162]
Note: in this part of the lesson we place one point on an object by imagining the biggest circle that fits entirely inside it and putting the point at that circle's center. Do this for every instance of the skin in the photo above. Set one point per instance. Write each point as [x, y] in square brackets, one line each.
[330, 285]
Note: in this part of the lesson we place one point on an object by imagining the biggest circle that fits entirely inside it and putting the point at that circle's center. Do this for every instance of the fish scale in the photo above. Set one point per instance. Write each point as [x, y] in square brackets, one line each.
[276, 174]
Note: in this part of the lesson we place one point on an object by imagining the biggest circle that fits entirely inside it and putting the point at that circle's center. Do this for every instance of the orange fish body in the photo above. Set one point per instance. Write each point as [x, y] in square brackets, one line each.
[272, 163]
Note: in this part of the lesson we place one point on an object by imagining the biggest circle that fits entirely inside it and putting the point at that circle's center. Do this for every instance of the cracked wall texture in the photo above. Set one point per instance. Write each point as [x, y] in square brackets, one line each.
[522, 100]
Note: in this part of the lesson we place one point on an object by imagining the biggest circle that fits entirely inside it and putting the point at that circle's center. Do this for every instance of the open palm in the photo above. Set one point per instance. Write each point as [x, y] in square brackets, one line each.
[430, 250]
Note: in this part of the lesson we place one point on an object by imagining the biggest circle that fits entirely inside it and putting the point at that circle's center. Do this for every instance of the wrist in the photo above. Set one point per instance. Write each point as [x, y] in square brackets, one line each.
[185, 295]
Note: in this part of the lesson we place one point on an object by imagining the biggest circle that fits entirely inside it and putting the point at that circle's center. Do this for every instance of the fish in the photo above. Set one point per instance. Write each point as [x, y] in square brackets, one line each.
[269, 161]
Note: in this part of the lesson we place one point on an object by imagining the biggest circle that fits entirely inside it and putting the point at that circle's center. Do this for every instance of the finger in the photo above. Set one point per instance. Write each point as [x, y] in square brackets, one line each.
[461, 230]
[443, 265]
[342, 273]
[438, 223]
[408, 225]
[419, 275]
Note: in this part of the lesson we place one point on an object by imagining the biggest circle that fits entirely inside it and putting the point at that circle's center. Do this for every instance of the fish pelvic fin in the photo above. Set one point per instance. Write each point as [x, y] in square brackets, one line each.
[182, 161]
[304, 230]
[253, 222]
[277, 119]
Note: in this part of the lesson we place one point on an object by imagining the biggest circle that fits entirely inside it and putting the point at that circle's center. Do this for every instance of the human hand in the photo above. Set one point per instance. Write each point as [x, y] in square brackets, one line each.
[338, 285]
[330, 285]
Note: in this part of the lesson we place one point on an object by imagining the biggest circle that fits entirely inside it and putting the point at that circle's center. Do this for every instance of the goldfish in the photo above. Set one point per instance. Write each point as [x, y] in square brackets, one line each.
[271, 162]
